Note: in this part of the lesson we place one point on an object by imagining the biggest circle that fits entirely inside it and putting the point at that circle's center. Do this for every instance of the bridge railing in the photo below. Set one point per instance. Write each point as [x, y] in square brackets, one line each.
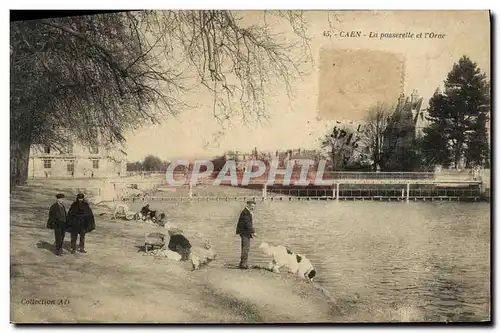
[380, 175]
[444, 175]
[311, 177]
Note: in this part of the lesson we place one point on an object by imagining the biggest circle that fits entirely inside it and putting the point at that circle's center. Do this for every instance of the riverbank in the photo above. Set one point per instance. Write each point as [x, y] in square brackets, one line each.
[115, 282]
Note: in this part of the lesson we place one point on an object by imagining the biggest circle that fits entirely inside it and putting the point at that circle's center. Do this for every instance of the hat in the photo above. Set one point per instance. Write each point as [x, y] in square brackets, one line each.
[251, 202]
[59, 196]
[80, 196]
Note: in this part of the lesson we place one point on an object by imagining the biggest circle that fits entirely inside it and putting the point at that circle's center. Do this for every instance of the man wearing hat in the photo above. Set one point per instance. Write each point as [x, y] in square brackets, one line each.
[246, 232]
[57, 221]
[80, 221]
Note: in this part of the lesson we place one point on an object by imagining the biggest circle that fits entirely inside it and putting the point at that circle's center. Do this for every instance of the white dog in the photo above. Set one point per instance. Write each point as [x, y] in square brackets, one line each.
[123, 211]
[295, 263]
[202, 255]
[164, 252]
[205, 253]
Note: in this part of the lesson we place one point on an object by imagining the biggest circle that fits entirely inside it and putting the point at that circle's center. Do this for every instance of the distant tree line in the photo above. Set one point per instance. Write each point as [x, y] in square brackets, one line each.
[150, 163]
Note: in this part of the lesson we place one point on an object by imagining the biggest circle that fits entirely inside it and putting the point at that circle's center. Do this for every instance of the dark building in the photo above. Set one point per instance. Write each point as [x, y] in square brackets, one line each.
[401, 134]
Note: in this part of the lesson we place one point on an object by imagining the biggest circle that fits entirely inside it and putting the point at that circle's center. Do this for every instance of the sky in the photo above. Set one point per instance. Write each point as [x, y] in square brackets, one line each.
[300, 121]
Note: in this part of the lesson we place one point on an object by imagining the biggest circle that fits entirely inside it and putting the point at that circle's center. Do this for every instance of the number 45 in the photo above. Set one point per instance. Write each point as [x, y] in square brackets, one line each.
[327, 33]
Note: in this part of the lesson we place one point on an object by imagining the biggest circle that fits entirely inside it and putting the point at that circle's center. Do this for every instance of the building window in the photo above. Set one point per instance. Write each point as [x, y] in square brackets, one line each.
[94, 150]
[95, 164]
[47, 164]
[71, 167]
[46, 150]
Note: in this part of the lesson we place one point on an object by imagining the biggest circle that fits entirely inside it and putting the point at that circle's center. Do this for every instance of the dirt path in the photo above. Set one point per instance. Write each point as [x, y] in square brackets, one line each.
[115, 282]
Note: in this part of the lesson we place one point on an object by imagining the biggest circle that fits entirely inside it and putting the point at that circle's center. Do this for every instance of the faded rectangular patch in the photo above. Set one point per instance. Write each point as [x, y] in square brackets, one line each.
[352, 81]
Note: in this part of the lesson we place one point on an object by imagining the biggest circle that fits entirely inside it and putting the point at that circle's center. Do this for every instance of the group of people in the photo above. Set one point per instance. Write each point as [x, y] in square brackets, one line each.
[78, 221]
[149, 214]
[146, 214]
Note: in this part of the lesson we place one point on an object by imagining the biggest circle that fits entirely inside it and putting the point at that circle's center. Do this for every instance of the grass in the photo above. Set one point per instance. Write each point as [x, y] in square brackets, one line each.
[117, 283]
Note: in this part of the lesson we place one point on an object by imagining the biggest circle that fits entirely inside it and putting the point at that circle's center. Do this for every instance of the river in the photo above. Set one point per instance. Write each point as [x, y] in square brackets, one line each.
[380, 261]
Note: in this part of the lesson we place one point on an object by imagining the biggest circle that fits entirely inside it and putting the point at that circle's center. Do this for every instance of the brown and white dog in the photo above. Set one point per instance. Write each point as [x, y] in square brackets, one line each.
[296, 264]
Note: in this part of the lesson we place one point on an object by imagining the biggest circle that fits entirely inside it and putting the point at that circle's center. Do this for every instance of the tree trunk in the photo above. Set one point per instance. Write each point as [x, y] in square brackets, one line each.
[458, 153]
[335, 159]
[19, 161]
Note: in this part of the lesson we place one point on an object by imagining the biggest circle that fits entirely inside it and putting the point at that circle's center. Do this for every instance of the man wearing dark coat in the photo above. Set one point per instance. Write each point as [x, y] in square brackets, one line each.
[80, 221]
[57, 221]
[246, 232]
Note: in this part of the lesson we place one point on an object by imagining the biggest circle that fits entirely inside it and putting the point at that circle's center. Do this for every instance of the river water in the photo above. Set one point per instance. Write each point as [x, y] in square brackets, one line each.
[380, 261]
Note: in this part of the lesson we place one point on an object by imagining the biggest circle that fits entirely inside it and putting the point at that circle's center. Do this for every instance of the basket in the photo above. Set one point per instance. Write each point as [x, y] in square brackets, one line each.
[154, 240]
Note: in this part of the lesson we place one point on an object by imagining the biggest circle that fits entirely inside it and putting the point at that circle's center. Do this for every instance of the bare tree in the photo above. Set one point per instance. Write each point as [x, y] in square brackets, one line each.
[92, 78]
[342, 145]
[375, 136]
[235, 61]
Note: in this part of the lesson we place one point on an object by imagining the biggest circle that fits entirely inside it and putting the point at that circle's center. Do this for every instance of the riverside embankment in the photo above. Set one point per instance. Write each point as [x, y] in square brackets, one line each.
[114, 282]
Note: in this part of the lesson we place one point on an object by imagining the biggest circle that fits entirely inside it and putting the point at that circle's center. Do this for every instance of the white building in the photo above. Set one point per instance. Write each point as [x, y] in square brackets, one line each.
[77, 161]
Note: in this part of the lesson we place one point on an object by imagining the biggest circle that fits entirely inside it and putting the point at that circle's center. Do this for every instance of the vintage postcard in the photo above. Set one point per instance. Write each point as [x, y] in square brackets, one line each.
[223, 166]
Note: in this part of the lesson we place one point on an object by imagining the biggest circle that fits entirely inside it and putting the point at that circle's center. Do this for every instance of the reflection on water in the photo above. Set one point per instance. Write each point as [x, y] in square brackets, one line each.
[388, 261]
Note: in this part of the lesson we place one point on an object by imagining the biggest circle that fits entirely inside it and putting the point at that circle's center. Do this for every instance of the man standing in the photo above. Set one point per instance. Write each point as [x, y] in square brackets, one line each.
[57, 221]
[246, 232]
[80, 221]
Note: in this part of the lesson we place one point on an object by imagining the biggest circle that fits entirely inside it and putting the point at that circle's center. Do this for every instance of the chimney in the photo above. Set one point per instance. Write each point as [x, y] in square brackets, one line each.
[401, 101]
[414, 97]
